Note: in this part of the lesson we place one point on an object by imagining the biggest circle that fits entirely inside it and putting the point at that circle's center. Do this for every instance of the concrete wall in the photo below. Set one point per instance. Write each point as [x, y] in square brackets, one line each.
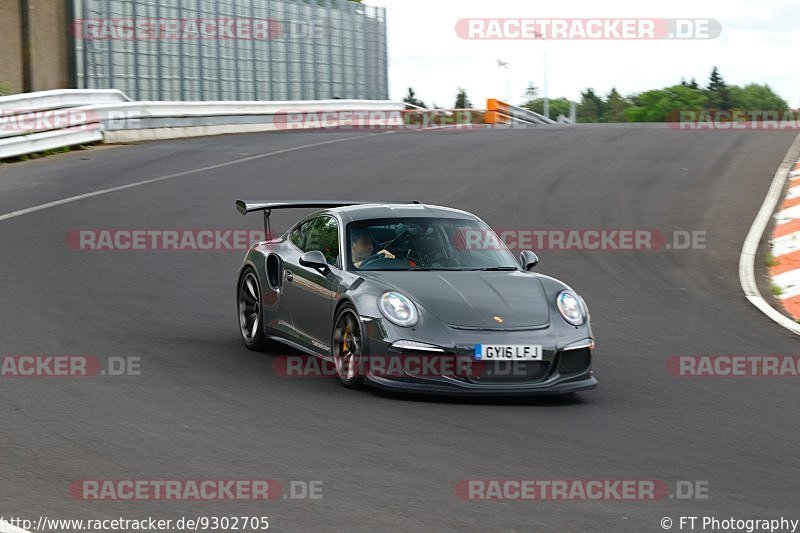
[10, 45]
[49, 45]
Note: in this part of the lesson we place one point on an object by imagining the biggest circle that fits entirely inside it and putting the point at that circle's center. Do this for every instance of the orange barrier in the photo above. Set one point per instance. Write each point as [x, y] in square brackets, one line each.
[496, 111]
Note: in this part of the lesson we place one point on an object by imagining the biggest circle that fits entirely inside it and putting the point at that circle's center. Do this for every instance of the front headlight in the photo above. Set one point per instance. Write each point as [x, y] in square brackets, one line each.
[571, 307]
[398, 309]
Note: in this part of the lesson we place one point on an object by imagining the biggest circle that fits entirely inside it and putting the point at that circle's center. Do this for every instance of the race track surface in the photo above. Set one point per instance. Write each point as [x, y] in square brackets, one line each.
[204, 407]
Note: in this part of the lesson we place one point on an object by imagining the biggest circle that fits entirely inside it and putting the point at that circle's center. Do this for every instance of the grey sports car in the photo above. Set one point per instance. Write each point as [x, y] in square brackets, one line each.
[413, 297]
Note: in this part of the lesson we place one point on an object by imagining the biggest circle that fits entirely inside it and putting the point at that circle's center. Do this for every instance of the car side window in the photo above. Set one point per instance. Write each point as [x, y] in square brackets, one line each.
[323, 235]
[297, 235]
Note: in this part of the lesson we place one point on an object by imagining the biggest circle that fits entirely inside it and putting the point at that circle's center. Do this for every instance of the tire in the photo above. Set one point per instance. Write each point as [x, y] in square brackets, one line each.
[347, 347]
[250, 311]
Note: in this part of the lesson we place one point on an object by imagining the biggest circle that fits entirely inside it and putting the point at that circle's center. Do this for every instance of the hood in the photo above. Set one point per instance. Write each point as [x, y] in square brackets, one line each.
[473, 299]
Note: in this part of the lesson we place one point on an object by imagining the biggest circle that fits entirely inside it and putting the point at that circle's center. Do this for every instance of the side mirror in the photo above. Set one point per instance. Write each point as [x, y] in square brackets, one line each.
[528, 260]
[316, 260]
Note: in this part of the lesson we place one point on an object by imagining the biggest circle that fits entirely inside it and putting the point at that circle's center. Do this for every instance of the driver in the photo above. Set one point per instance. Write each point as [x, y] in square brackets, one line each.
[363, 247]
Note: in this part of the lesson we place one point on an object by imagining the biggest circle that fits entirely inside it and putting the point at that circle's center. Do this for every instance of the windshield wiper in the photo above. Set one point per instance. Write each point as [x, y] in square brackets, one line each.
[496, 269]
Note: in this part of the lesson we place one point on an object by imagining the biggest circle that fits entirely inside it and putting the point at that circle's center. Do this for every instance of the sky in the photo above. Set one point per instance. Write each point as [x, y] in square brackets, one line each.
[759, 43]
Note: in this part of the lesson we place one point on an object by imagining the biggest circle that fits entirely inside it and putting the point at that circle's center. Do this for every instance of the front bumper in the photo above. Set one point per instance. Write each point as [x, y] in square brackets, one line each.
[554, 387]
[566, 364]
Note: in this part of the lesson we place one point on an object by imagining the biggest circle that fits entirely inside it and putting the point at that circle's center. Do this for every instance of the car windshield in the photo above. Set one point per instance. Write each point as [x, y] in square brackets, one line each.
[426, 244]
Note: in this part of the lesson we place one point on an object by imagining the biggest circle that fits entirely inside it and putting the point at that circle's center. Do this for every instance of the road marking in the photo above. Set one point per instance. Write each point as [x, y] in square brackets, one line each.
[747, 259]
[76, 198]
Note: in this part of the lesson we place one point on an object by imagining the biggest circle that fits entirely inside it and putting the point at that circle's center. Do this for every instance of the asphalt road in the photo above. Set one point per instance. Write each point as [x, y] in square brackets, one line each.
[206, 408]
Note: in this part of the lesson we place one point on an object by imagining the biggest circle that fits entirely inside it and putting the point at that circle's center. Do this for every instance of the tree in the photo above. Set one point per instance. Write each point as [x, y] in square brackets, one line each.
[667, 104]
[718, 93]
[755, 97]
[411, 98]
[591, 107]
[558, 106]
[462, 100]
[715, 81]
[664, 104]
[616, 106]
[531, 92]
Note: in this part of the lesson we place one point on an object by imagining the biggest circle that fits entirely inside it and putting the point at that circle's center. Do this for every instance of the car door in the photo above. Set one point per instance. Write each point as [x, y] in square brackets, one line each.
[308, 292]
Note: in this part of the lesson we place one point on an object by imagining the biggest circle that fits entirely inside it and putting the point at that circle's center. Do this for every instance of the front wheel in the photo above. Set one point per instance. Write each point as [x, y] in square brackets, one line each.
[251, 317]
[348, 347]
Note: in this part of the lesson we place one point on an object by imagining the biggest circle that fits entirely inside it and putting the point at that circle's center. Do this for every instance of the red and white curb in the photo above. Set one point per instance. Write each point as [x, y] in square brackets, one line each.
[785, 267]
[785, 271]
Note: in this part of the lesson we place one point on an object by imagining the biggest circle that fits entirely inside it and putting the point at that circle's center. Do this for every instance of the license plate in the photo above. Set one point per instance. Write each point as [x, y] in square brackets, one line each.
[508, 352]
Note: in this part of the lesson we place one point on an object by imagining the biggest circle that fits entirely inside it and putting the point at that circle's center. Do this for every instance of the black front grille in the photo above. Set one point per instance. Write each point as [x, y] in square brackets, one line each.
[510, 372]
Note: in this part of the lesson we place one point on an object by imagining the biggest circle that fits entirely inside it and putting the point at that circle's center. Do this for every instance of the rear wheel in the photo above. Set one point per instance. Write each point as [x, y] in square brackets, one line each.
[348, 347]
[251, 318]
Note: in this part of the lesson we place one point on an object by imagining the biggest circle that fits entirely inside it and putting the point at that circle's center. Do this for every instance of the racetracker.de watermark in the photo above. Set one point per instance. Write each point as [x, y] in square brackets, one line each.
[734, 120]
[581, 489]
[372, 120]
[13, 121]
[731, 366]
[68, 366]
[194, 489]
[591, 29]
[163, 239]
[573, 239]
[396, 366]
[16, 524]
[175, 489]
[578, 239]
[195, 29]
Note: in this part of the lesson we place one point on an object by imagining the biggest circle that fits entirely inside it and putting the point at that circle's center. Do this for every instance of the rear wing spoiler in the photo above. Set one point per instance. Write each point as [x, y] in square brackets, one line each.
[245, 207]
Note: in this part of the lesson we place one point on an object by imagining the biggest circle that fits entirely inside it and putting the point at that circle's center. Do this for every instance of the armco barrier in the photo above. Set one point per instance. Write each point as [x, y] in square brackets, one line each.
[13, 123]
[48, 140]
[144, 121]
[60, 98]
[35, 122]
[498, 112]
[48, 120]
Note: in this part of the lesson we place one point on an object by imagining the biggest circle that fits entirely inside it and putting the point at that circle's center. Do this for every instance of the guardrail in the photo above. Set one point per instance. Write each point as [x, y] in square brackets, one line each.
[48, 140]
[48, 120]
[143, 121]
[37, 122]
[498, 112]
[60, 98]
[417, 117]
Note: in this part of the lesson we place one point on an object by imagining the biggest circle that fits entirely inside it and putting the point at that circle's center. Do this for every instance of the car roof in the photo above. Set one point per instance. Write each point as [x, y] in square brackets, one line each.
[354, 213]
